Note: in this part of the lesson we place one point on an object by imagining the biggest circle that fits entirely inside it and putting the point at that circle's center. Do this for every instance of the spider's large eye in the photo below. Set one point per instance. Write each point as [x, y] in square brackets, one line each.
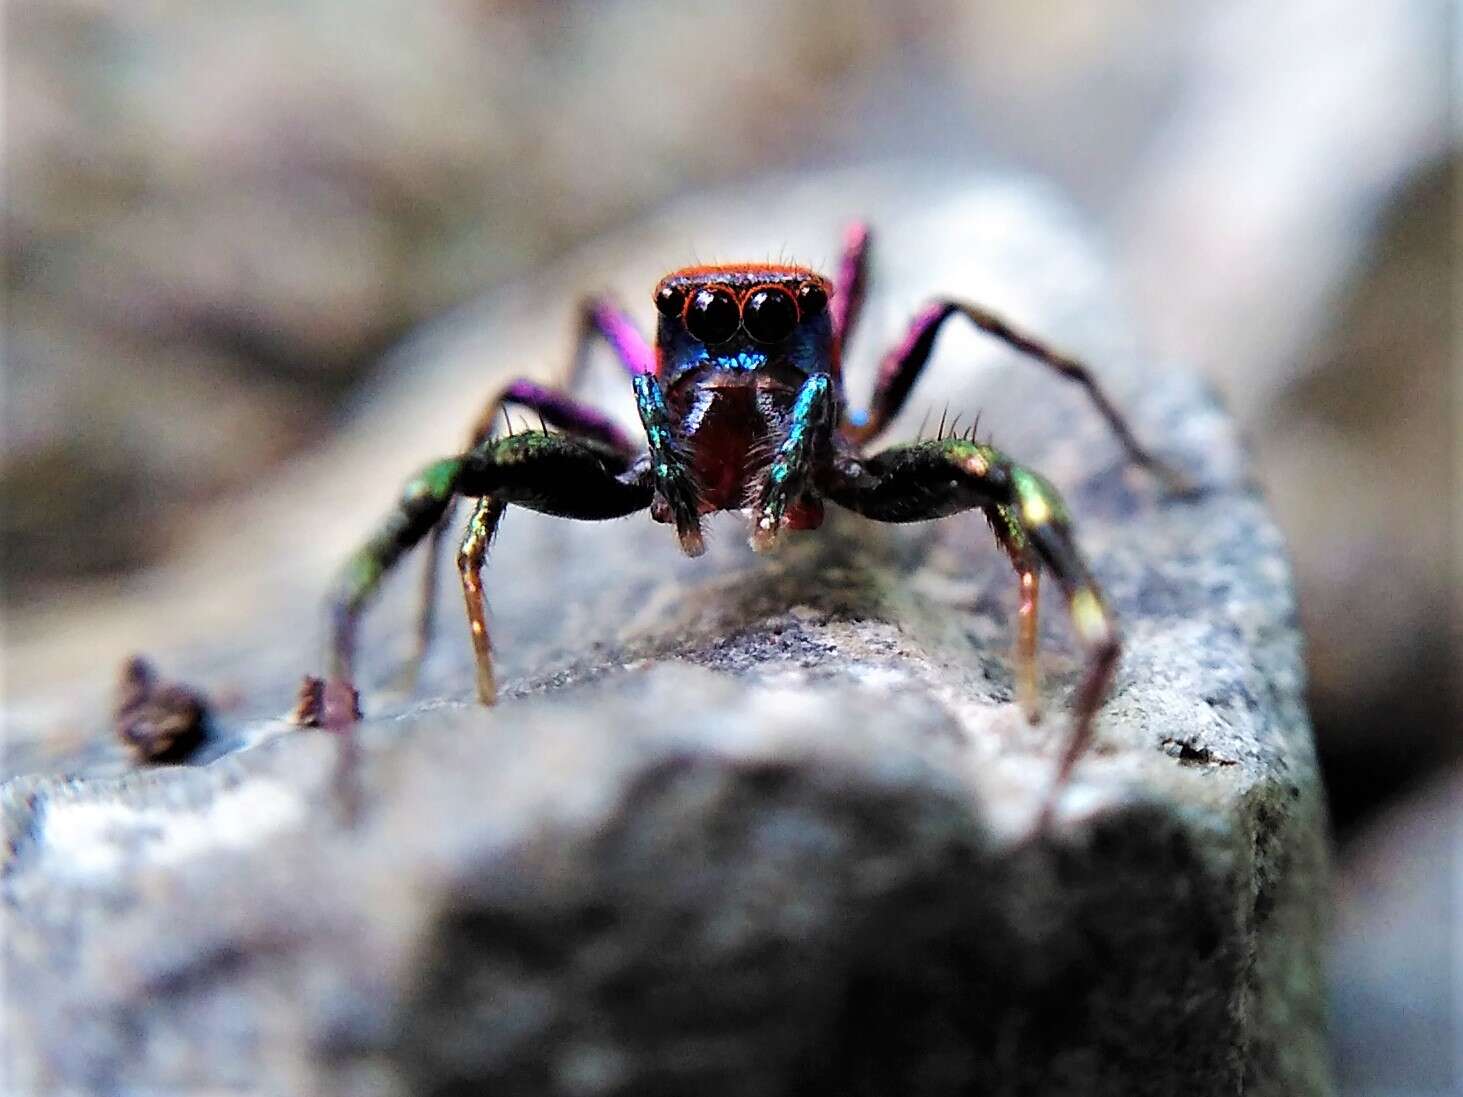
[812, 299]
[712, 317]
[770, 315]
[669, 300]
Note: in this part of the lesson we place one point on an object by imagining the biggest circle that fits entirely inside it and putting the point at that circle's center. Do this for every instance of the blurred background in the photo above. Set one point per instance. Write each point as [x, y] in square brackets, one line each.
[220, 215]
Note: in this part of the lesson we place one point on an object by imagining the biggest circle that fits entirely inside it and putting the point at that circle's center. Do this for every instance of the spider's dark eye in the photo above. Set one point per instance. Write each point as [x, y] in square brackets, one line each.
[712, 317]
[770, 315]
[669, 300]
[812, 299]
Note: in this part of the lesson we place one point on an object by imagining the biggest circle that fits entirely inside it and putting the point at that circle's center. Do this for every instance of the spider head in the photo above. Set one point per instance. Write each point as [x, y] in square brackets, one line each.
[743, 319]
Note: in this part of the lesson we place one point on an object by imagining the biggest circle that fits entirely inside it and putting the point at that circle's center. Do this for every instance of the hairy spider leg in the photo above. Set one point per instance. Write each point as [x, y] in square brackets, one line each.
[901, 368]
[558, 474]
[1012, 536]
[851, 286]
[1028, 673]
[599, 318]
[423, 503]
[933, 479]
[470, 558]
[670, 464]
[790, 475]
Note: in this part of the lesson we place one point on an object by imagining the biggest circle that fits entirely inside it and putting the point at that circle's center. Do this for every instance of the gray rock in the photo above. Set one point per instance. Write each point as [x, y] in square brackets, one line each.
[741, 824]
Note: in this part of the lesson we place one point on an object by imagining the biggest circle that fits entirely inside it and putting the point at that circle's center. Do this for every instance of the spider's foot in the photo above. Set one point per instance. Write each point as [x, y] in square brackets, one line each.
[333, 705]
[487, 685]
[765, 531]
[309, 701]
[1028, 697]
[692, 543]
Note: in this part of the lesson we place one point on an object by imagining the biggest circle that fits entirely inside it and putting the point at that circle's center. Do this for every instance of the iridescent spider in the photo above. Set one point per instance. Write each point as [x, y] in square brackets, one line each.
[743, 407]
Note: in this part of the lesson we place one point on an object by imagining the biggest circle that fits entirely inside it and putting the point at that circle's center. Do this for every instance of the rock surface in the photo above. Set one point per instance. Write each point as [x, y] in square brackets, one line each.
[741, 824]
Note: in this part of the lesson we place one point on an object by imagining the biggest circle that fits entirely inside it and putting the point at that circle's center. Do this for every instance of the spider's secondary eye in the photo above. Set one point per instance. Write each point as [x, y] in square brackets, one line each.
[770, 315]
[712, 317]
[812, 299]
[669, 300]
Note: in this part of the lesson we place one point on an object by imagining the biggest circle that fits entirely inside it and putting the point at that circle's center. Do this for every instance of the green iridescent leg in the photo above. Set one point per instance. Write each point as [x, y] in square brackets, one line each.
[555, 406]
[791, 471]
[424, 501]
[670, 467]
[1047, 526]
[933, 479]
[551, 473]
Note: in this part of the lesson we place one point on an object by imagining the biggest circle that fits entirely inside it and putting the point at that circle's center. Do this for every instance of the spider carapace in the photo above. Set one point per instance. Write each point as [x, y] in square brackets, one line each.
[742, 403]
[735, 348]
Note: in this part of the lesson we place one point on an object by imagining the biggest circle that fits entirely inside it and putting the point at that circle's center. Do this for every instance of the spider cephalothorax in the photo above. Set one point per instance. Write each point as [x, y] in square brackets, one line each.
[735, 347]
[742, 403]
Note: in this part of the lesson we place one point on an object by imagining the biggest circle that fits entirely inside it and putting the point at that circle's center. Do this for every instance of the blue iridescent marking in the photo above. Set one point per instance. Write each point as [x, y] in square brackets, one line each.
[784, 478]
[809, 394]
[654, 415]
[803, 408]
[745, 361]
[648, 396]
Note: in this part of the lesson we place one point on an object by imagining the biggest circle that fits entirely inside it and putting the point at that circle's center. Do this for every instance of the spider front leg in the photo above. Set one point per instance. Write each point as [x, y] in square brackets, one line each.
[555, 474]
[902, 366]
[933, 479]
[599, 319]
[677, 498]
[791, 472]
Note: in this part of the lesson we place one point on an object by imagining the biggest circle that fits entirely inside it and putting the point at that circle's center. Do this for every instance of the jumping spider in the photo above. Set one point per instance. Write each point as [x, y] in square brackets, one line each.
[743, 407]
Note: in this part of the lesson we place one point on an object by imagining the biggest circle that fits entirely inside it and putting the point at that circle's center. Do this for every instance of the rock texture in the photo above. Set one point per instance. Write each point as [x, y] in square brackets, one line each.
[741, 825]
